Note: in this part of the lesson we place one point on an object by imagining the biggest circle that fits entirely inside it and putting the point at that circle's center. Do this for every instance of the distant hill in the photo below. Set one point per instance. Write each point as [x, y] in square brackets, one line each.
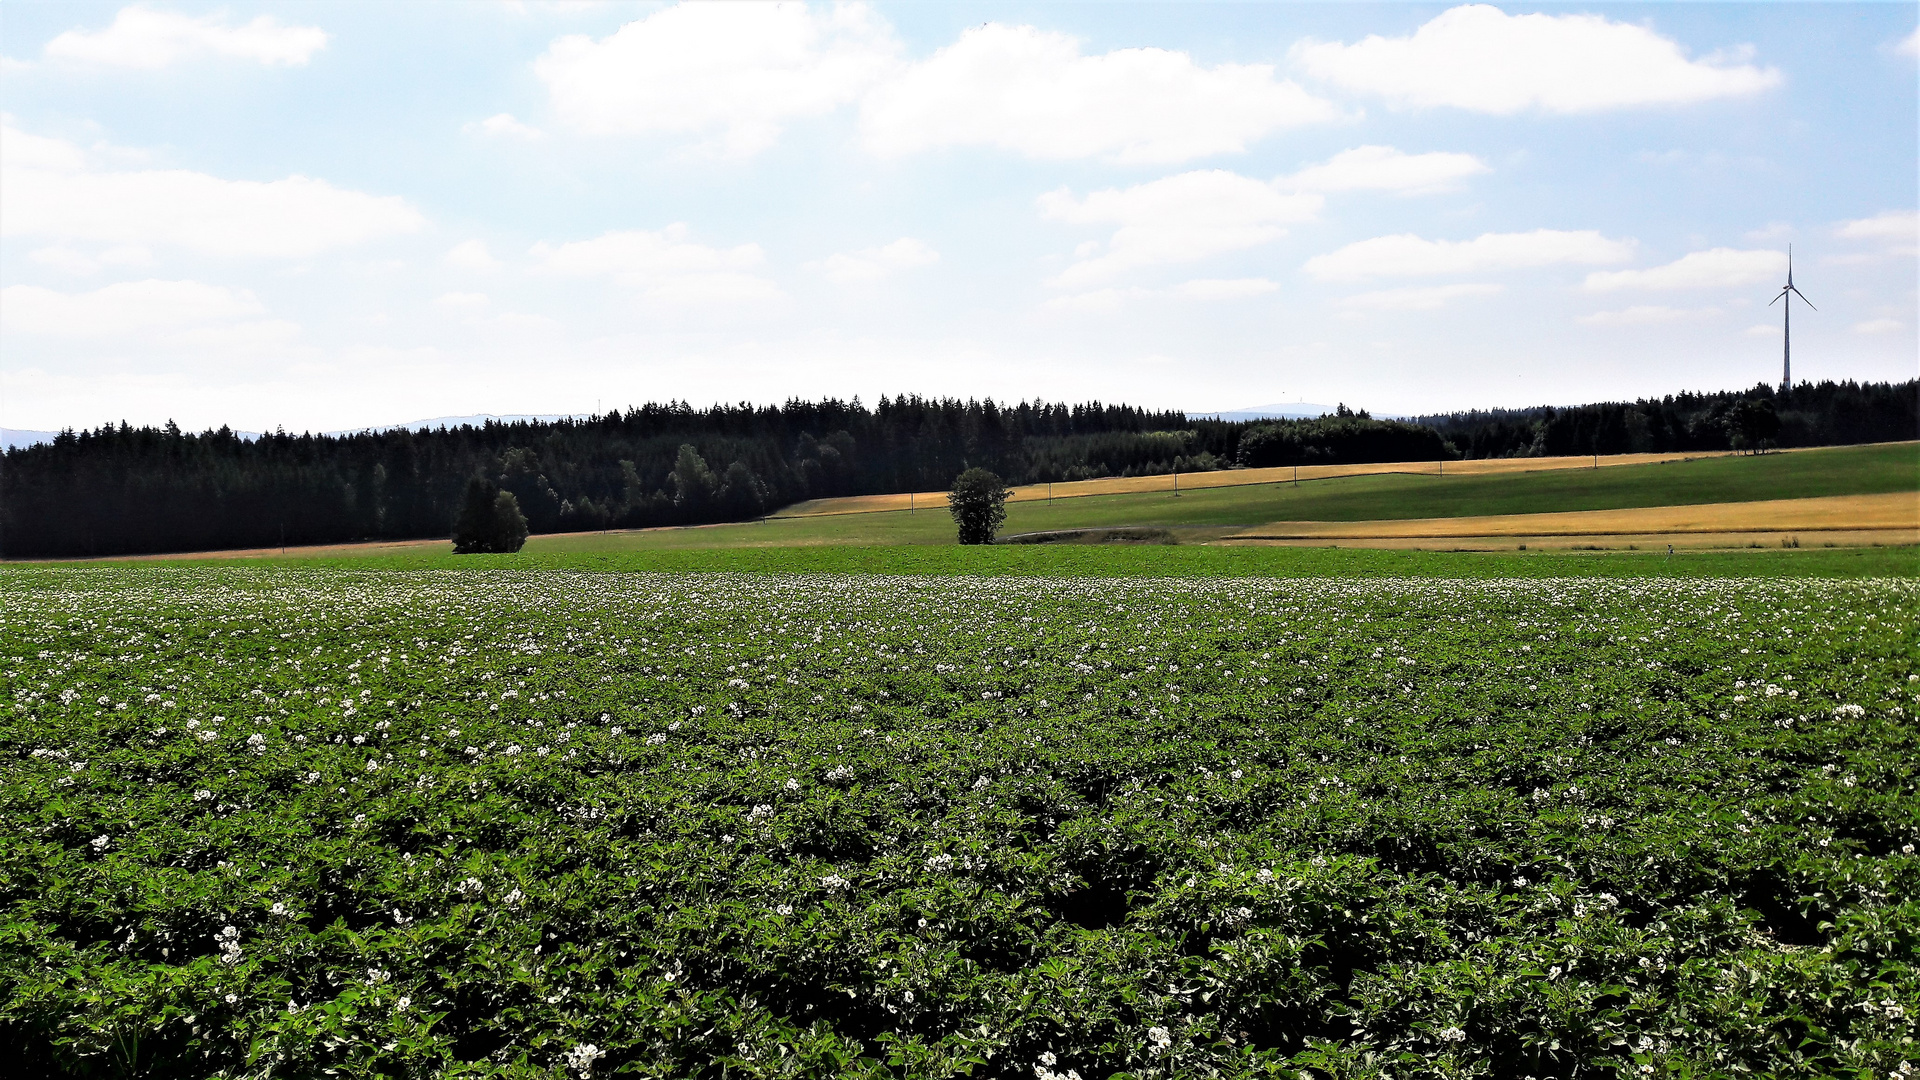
[1292, 410]
[455, 422]
[12, 437]
[1287, 410]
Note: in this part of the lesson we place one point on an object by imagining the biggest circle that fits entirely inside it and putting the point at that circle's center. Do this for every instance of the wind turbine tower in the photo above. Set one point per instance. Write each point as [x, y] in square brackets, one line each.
[1787, 293]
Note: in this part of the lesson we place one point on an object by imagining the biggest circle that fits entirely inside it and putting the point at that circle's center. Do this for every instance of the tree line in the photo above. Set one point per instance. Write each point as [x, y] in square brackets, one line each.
[124, 490]
[1810, 414]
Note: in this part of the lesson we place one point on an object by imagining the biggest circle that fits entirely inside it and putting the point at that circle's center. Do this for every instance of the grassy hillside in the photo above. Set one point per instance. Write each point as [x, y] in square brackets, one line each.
[866, 537]
[1856, 470]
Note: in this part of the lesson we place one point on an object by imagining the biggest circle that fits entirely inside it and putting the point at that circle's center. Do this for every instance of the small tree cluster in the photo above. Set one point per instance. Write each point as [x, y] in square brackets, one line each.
[1751, 425]
[490, 521]
[978, 502]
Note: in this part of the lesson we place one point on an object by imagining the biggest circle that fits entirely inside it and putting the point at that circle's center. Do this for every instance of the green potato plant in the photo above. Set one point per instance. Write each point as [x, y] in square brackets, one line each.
[281, 822]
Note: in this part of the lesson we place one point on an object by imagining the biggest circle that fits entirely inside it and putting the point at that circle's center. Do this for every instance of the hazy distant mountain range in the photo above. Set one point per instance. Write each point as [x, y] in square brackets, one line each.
[1291, 410]
[13, 437]
[476, 420]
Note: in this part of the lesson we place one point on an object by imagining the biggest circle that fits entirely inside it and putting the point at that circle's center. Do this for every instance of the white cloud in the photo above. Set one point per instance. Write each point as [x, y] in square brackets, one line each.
[1097, 300]
[132, 307]
[872, 264]
[1900, 229]
[1909, 45]
[1717, 268]
[1031, 91]
[503, 124]
[1383, 168]
[1176, 219]
[471, 255]
[733, 74]
[1407, 255]
[1645, 315]
[1418, 298]
[1878, 326]
[460, 300]
[53, 193]
[71, 261]
[665, 267]
[141, 37]
[1201, 289]
[1480, 58]
[25, 150]
[1224, 288]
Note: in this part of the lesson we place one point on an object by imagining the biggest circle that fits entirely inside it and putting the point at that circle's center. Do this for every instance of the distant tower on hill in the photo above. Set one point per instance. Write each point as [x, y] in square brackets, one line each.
[1788, 292]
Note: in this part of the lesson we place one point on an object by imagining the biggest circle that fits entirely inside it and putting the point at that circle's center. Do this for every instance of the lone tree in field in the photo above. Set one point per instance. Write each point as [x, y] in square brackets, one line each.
[979, 504]
[490, 521]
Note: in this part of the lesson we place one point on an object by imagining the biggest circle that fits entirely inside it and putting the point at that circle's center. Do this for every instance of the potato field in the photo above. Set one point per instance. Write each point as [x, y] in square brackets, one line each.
[276, 822]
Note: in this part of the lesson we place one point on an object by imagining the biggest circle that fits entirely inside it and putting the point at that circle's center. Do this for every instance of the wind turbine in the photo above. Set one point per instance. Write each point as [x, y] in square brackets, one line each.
[1788, 292]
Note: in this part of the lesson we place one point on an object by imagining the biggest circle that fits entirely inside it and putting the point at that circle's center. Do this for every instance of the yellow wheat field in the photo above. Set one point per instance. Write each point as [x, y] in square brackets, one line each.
[1852, 519]
[1131, 485]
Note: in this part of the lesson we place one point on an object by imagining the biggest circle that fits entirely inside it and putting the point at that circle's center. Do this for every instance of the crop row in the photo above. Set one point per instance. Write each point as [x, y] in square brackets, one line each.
[272, 822]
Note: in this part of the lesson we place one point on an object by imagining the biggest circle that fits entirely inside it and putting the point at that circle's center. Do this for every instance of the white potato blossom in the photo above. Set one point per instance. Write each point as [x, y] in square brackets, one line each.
[228, 942]
[581, 1058]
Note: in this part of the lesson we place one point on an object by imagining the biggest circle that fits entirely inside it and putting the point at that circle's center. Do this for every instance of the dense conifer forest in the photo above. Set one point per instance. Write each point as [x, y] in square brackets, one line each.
[123, 490]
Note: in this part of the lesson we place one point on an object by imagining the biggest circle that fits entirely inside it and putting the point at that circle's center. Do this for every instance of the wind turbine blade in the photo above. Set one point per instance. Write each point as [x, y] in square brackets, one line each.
[1803, 299]
[1776, 299]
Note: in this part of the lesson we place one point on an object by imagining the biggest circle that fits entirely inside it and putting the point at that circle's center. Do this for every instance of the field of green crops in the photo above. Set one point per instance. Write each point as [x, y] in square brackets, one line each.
[284, 822]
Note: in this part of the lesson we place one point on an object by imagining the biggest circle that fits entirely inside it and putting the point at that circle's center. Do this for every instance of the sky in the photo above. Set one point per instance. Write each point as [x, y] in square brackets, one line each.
[337, 215]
